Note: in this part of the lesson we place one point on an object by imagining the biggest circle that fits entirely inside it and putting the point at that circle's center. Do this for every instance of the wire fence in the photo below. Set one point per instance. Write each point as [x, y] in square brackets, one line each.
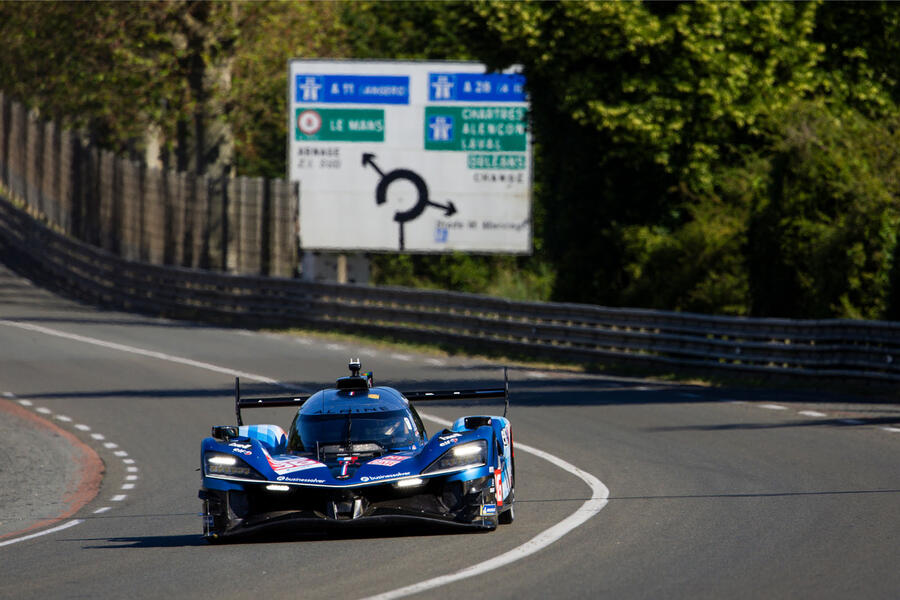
[159, 216]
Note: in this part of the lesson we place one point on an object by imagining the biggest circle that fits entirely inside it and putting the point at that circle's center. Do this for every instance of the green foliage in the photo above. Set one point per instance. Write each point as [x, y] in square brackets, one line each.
[410, 29]
[117, 68]
[828, 226]
[721, 157]
[862, 41]
[519, 278]
[271, 34]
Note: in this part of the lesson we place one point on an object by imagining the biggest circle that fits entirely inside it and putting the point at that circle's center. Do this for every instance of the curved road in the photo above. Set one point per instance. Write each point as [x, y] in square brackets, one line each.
[712, 492]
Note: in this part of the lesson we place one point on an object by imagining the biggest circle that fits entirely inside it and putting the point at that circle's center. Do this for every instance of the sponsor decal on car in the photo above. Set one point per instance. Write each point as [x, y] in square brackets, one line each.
[242, 451]
[446, 440]
[380, 477]
[498, 483]
[346, 461]
[291, 465]
[388, 461]
[488, 510]
[239, 445]
[299, 479]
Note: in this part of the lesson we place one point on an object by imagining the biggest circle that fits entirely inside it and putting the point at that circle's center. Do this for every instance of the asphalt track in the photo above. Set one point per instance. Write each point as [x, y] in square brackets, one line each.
[712, 492]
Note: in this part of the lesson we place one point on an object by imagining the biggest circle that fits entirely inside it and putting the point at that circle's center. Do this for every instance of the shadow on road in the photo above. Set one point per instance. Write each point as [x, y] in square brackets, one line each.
[855, 422]
[281, 535]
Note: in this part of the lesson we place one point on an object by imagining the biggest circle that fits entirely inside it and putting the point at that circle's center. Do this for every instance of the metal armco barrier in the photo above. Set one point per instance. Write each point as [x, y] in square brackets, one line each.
[847, 349]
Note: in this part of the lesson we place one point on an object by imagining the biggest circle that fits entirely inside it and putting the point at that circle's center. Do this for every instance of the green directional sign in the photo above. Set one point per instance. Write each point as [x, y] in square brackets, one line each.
[475, 128]
[496, 161]
[339, 125]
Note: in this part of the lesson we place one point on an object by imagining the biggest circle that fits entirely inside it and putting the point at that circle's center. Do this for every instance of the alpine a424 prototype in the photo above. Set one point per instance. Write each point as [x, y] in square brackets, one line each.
[357, 453]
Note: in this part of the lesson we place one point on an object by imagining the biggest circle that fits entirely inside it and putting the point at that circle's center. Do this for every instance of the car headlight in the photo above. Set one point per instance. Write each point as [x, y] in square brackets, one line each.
[226, 465]
[471, 454]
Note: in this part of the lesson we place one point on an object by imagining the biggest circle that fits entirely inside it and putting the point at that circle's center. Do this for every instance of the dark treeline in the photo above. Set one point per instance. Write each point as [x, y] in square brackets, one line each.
[719, 157]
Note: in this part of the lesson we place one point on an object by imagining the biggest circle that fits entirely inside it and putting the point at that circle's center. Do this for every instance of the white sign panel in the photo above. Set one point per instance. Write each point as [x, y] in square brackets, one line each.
[410, 156]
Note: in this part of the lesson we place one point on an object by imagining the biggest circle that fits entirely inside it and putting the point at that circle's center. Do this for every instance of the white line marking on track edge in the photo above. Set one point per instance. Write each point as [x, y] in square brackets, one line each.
[40, 533]
[140, 351]
[599, 499]
[812, 413]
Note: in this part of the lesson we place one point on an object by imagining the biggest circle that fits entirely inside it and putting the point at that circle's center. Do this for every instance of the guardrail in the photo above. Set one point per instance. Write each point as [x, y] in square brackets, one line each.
[847, 349]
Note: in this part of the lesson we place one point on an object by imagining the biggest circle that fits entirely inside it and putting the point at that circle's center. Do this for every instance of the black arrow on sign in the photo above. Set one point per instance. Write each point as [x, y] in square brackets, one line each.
[369, 159]
[421, 204]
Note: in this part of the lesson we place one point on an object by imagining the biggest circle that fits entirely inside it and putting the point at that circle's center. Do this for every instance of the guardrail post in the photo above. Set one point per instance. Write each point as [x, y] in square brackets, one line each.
[234, 199]
[50, 177]
[15, 166]
[4, 138]
[33, 147]
[218, 222]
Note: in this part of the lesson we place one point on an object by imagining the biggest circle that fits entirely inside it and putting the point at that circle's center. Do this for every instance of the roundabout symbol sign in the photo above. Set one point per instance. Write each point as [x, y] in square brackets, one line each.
[422, 201]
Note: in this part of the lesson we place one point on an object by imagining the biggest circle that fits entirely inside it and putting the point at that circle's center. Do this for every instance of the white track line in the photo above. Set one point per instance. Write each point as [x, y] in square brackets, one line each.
[599, 492]
[812, 413]
[599, 498]
[140, 351]
[97, 436]
[773, 406]
[44, 532]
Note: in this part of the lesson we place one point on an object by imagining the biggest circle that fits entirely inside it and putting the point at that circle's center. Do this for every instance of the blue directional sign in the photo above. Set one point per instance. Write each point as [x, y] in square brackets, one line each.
[351, 89]
[440, 128]
[476, 87]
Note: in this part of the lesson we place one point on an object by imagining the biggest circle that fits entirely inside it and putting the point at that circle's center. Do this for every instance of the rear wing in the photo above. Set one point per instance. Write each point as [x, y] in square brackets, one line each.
[466, 394]
[298, 400]
[268, 402]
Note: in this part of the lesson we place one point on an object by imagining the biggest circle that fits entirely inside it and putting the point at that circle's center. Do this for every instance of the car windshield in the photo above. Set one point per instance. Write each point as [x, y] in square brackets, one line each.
[391, 429]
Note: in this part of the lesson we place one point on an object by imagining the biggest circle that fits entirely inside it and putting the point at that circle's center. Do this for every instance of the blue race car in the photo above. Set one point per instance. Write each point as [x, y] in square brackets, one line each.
[356, 454]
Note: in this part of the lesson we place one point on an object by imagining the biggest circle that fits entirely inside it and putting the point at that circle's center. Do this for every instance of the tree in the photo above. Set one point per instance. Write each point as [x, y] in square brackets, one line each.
[823, 238]
[122, 70]
[271, 33]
